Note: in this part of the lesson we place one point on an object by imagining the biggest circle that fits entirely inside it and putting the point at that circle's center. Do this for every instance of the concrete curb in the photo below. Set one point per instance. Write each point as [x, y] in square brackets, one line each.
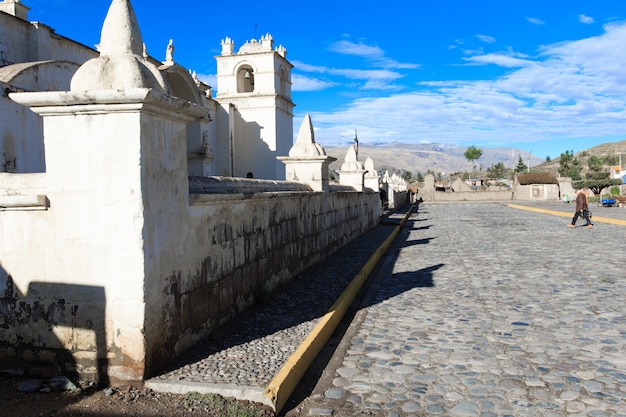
[567, 214]
[255, 394]
[284, 383]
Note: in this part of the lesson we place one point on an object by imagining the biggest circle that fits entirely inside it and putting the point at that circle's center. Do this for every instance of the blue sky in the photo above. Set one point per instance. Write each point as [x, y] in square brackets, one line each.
[542, 76]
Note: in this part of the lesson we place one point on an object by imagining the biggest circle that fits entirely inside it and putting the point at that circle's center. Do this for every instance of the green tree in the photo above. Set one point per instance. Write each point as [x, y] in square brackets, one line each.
[521, 166]
[419, 177]
[407, 176]
[570, 166]
[611, 160]
[596, 182]
[472, 154]
[497, 171]
[595, 163]
[548, 159]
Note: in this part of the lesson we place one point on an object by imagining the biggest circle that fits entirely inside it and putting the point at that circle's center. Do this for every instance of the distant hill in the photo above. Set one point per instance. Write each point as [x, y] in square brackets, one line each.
[448, 159]
[438, 158]
[601, 151]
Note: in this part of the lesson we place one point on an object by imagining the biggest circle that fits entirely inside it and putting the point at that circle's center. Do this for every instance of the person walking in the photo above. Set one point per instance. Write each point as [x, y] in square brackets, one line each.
[582, 209]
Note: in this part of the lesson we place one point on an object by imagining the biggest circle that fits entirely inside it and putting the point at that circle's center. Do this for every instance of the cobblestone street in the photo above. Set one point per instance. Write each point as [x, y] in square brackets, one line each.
[486, 310]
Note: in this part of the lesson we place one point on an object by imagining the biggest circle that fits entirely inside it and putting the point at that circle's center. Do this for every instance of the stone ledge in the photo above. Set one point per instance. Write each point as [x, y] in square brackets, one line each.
[23, 202]
[228, 185]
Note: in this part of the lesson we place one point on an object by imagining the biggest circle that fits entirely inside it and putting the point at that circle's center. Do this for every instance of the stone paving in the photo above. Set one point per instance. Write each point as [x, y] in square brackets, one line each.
[489, 311]
[241, 358]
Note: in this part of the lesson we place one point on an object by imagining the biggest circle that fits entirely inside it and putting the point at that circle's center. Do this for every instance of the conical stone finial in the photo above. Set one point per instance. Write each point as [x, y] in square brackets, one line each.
[351, 163]
[305, 142]
[369, 167]
[121, 64]
[120, 31]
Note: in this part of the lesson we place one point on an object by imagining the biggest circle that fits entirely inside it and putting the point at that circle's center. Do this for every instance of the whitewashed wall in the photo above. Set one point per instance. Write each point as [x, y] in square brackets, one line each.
[94, 284]
[32, 58]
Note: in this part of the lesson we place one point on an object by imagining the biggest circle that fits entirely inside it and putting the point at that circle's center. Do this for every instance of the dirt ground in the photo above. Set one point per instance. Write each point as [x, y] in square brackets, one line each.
[136, 401]
[120, 401]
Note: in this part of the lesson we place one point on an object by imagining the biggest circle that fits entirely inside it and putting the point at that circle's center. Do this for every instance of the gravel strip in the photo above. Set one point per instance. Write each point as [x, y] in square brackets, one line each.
[251, 349]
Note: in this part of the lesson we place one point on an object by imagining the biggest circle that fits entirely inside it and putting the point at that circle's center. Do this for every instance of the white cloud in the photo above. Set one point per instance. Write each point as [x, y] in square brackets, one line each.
[574, 89]
[501, 60]
[210, 79]
[380, 78]
[588, 20]
[358, 49]
[301, 66]
[486, 38]
[304, 83]
[535, 21]
[381, 75]
[372, 53]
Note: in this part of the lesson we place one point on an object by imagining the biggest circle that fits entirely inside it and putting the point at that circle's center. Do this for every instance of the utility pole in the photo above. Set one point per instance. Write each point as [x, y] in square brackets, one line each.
[356, 140]
[528, 167]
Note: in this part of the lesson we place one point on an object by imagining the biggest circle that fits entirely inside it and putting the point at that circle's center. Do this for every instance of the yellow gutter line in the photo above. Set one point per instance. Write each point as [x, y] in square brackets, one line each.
[566, 214]
[284, 383]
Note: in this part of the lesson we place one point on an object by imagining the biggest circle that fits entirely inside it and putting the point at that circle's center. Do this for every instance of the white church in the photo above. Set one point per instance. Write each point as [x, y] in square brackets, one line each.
[130, 228]
[249, 122]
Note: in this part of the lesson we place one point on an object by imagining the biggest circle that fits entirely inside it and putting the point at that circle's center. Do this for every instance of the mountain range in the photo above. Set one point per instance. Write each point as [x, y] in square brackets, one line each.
[448, 159]
[438, 158]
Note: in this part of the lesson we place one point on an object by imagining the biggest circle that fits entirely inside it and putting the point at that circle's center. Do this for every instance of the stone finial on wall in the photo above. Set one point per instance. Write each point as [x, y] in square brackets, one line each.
[351, 163]
[267, 41]
[228, 46]
[305, 141]
[15, 8]
[121, 65]
[386, 177]
[352, 172]
[307, 161]
[282, 51]
[371, 175]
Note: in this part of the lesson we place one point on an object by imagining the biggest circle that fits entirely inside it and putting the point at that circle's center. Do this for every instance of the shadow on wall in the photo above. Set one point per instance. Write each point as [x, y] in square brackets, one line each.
[252, 152]
[35, 328]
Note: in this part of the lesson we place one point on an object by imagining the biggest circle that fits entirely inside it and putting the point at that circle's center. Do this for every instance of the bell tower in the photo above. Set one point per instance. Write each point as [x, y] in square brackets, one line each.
[15, 8]
[254, 92]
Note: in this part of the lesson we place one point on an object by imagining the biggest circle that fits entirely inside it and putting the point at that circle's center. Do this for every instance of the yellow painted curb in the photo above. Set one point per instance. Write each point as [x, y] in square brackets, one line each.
[567, 214]
[284, 383]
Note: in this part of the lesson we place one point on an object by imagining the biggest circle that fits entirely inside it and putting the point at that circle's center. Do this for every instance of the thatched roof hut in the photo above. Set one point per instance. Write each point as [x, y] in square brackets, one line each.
[536, 178]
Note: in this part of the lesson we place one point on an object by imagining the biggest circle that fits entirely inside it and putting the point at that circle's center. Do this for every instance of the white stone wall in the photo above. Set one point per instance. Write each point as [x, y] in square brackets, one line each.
[256, 126]
[22, 41]
[21, 135]
[468, 196]
[91, 280]
[108, 266]
[536, 192]
[233, 246]
[32, 58]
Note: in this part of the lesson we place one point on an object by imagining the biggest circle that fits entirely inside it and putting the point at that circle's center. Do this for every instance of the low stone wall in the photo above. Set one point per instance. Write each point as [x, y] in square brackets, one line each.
[242, 246]
[536, 192]
[400, 199]
[80, 299]
[533, 192]
[466, 196]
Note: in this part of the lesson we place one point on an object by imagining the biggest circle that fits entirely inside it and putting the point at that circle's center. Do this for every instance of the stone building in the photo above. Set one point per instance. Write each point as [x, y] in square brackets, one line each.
[114, 259]
[254, 91]
[250, 120]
